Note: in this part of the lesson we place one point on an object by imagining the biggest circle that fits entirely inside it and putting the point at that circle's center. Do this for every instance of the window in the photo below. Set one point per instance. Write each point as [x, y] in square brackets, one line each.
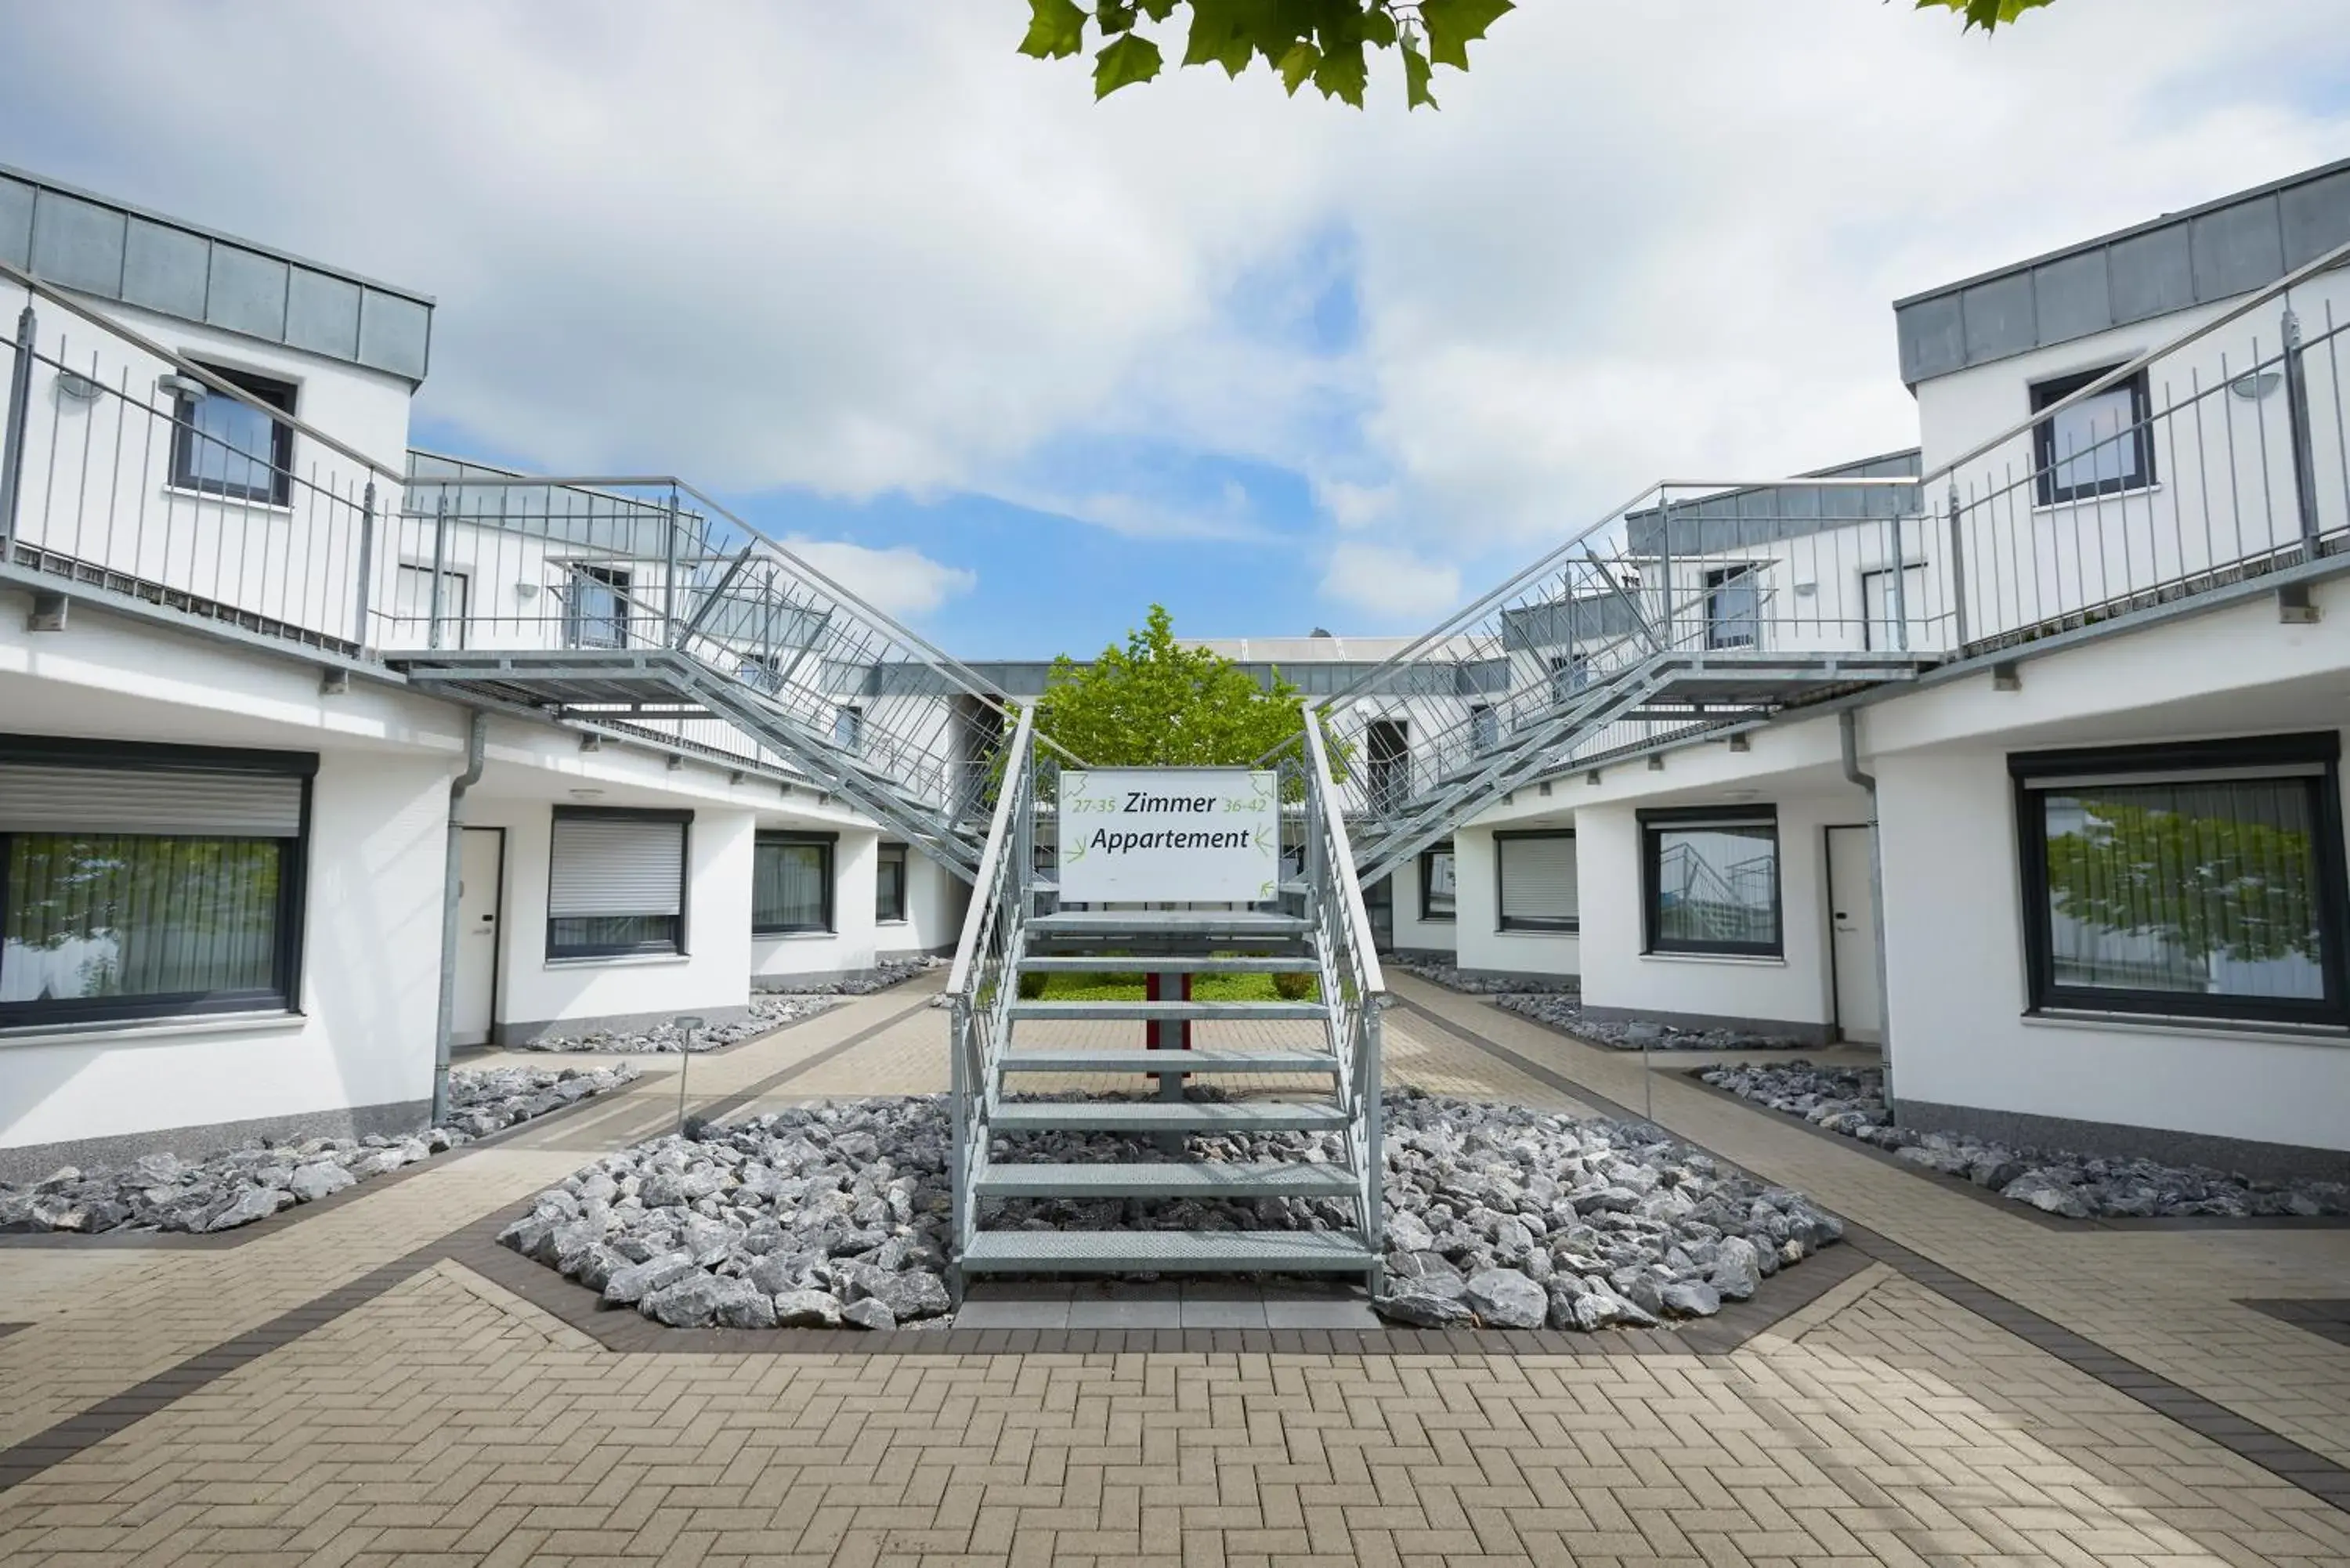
[1534, 881]
[1438, 891]
[224, 447]
[1733, 608]
[2204, 879]
[2100, 446]
[147, 881]
[848, 728]
[1569, 673]
[1879, 630]
[889, 884]
[791, 883]
[616, 883]
[1387, 750]
[596, 608]
[1484, 728]
[412, 608]
[1712, 880]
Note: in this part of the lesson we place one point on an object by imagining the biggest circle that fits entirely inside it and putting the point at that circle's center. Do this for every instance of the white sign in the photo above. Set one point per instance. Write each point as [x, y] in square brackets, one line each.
[1178, 835]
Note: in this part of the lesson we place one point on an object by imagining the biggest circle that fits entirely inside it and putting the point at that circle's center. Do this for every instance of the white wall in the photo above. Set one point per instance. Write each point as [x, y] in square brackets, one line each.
[1413, 934]
[935, 902]
[850, 944]
[1483, 944]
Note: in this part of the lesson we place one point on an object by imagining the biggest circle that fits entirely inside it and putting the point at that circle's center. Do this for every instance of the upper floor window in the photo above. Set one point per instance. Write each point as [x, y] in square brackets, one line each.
[596, 608]
[147, 881]
[2202, 880]
[224, 447]
[848, 727]
[1569, 674]
[2100, 446]
[1733, 607]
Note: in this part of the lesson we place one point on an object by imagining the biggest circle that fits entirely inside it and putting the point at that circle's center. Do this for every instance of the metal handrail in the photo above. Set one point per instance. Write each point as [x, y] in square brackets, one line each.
[213, 382]
[1356, 915]
[999, 833]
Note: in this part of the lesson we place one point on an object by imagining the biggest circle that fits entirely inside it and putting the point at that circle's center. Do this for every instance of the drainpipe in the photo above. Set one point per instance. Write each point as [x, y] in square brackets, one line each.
[476, 733]
[1848, 736]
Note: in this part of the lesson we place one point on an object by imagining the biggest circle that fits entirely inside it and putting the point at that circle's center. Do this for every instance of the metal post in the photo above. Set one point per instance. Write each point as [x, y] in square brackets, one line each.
[2304, 457]
[452, 874]
[669, 576]
[1898, 600]
[686, 1024]
[12, 443]
[1665, 566]
[1958, 575]
[366, 589]
[439, 562]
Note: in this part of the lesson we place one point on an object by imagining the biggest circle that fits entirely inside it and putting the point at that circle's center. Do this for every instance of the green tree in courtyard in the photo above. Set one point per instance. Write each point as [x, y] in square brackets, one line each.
[1156, 703]
[1325, 43]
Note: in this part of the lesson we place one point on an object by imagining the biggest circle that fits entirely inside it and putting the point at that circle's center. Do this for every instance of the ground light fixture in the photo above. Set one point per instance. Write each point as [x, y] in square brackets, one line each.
[686, 1023]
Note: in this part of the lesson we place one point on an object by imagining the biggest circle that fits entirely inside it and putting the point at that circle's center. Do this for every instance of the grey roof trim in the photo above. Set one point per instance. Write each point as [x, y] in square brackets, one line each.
[2221, 248]
[1758, 514]
[108, 249]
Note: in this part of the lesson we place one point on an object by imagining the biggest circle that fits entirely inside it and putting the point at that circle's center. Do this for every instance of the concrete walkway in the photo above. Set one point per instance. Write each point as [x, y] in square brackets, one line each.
[328, 1388]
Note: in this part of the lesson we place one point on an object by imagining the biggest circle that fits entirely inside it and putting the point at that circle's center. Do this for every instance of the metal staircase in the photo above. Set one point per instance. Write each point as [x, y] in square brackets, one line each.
[1031, 1074]
[1673, 617]
[648, 610]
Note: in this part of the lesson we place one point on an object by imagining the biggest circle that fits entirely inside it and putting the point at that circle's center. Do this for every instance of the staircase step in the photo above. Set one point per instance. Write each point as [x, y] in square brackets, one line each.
[1193, 963]
[1239, 924]
[1166, 1252]
[1161, 1011]
[1165, 1116]
[1174, 1179]
[1137, 1060]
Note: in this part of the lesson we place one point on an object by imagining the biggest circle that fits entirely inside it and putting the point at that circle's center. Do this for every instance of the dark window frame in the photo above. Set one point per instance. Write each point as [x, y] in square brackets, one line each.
[278, 394]
[1565, 925]
[2248, 753]
[293, 878]
[1720, 580]
[676, 946]
[2046, 457]
[1427, 858]
[619, 581]
[1654, 822]
[881, 859]
[830, 844]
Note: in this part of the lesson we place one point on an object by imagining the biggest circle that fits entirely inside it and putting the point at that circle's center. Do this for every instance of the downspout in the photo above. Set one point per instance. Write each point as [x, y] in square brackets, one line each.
[476, 733]
[1849, 736]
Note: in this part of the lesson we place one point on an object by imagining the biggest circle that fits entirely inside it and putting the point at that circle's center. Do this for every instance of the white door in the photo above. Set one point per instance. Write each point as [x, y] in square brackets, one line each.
[1852, 926]
[1880, 632]
[411, 608]
[481, 862]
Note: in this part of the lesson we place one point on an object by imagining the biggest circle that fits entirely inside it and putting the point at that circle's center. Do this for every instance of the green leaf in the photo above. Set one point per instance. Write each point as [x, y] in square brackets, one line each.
[1113, 16]
[1158, 10]
[1988, 15]
[1416, 70]
[1132, 58]
[1221, 34]
[1298, 65]
[1453, 24]
[1057, 30]
[1343, 74]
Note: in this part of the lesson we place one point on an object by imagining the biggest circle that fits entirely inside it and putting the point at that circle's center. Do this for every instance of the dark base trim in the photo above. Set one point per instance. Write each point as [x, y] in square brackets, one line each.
[32, 1161]
[2121, 1140]
[1808, 1034]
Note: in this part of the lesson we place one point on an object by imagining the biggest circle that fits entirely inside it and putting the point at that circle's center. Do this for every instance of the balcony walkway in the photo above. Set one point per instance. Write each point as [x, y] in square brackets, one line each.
[348, 1385]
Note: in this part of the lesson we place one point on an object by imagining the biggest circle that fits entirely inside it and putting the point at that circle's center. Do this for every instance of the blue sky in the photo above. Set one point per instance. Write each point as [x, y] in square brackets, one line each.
[1017, 365]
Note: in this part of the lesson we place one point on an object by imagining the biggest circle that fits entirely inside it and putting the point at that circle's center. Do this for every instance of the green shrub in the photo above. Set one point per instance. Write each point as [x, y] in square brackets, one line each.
[1031, 985]
[1293, 987]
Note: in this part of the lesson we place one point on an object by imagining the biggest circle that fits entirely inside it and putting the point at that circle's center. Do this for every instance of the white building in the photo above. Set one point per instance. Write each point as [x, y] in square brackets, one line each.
[226, 783]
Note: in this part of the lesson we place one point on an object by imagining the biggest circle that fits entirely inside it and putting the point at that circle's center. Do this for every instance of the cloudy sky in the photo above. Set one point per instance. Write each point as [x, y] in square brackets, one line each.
[1018, 364]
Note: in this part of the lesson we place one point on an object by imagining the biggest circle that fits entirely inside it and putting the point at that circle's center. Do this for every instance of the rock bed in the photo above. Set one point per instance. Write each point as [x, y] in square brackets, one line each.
[160, 1192]
[1851, 1101]
[840, 1215]
[865, 982]
[1440, 973]
[1565, 1013]
[768, 1013]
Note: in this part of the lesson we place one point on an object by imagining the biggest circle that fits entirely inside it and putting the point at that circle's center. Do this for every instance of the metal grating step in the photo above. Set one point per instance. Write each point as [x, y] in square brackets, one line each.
[1138, 1060]
[1168, 1010]
[1168, 1181]
[1194, 963]
[1166, 1252]
[1165, 1116]
[1240, 924]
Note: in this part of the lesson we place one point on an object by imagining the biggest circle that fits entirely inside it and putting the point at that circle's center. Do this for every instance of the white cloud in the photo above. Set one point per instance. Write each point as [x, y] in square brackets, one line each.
[901, 580]
[1388, 584]
[868, 249]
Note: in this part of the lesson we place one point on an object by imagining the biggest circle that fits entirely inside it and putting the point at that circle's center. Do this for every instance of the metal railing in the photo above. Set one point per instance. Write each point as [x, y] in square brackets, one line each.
[135, 477]
[984, 983]
[2216, 462]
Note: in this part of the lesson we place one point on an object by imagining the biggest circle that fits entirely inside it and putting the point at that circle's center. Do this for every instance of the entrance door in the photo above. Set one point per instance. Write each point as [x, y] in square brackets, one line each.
[1852, 927]
[482, 857]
